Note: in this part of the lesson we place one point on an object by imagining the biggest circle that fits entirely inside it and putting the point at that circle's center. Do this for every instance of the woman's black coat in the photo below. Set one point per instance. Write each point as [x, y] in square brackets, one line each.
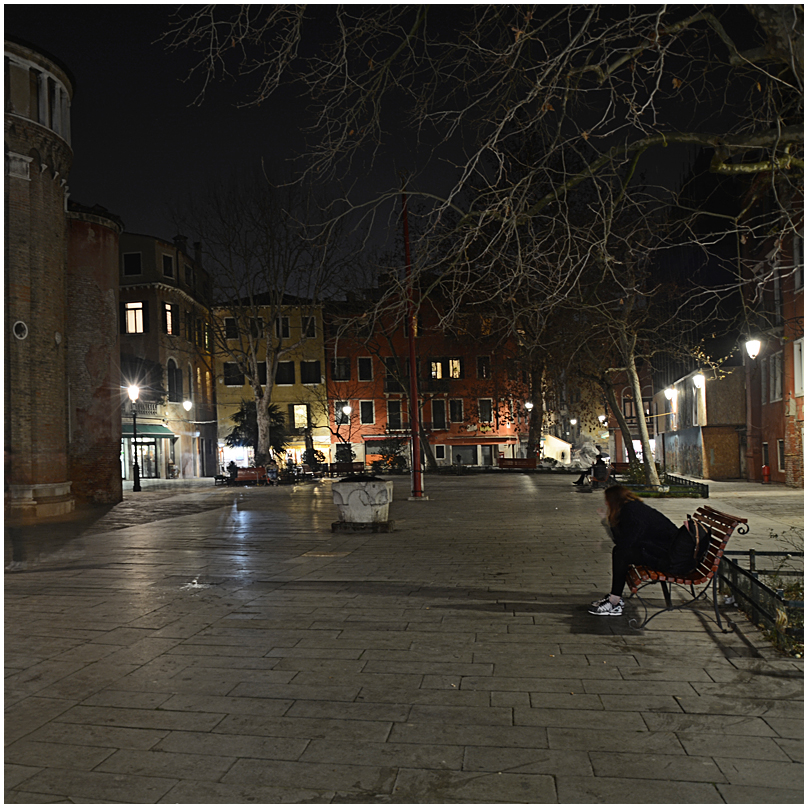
[644, 534]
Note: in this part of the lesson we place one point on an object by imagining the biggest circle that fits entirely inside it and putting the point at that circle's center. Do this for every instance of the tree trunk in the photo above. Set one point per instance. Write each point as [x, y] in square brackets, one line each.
[627, 349]
[621, 420]
[651, 477]
[536, 416]
[426, 448]
[264, 449]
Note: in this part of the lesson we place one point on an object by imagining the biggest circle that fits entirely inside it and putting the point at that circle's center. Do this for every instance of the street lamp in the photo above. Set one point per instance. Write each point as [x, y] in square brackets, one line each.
[186, 405]
[698, 381]
[345, 409]
[528, 406]
[134, 391]
[603, 418]
[753, 347]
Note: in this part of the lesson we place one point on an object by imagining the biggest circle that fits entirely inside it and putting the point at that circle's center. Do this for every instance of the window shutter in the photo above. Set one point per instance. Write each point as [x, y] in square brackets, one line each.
[145, 316]
[122, 316]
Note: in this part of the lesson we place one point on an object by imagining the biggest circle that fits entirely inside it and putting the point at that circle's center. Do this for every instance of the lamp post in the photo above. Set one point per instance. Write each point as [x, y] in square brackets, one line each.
[753, 347]
[346, 411]
[134, 391]
[186, 405]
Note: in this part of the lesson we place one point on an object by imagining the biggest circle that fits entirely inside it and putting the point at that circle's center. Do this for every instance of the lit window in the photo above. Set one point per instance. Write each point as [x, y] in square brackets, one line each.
[455, 368]
[134, 317]
[170, 319]
[300, 416]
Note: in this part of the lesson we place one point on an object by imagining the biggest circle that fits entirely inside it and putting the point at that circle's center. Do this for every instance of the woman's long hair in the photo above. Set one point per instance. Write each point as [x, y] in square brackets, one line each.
[616, 497]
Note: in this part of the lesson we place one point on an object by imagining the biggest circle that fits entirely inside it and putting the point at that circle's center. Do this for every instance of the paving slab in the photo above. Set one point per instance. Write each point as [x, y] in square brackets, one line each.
[200, 644]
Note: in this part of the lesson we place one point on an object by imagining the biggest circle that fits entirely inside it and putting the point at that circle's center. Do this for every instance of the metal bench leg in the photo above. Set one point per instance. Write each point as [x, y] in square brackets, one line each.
[667, 593]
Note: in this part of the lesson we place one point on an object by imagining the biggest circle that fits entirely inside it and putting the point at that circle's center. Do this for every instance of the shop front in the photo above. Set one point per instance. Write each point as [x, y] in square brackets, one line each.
[152, 447]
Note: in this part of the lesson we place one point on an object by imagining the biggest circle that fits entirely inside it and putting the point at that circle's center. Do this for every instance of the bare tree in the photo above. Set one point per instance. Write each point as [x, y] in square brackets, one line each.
[265, 257]
[521, 116]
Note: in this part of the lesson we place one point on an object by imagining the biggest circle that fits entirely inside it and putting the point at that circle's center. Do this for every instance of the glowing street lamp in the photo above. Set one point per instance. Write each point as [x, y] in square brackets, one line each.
[752, 347]
[134, 391]
[698, 381]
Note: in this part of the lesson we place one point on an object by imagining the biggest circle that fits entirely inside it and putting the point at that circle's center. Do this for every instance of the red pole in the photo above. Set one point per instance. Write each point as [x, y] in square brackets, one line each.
[417, 488]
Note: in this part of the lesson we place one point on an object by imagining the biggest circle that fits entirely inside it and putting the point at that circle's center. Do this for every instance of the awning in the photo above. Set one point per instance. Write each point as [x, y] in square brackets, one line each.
[146, 431]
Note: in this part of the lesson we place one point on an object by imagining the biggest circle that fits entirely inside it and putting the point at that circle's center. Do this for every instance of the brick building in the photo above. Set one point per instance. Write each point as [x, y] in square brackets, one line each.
[93, 351]
[471, 392]
[38, 162]
[775, 430]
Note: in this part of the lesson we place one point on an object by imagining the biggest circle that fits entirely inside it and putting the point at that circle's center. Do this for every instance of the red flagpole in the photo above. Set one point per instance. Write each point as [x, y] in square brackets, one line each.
[417, 487]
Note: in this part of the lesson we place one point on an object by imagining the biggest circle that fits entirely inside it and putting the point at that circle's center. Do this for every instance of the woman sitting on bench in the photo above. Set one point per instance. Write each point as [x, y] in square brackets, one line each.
[641, 535]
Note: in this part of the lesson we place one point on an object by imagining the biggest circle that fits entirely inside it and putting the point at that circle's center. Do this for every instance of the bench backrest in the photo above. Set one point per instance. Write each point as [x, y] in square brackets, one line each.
[722, 526]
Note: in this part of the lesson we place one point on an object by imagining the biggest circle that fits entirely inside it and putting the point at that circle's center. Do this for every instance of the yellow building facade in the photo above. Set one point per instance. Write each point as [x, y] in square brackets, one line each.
[299, 389]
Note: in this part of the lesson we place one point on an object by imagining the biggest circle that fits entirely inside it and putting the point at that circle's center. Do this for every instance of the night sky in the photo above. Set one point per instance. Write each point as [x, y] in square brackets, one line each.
[138, 142]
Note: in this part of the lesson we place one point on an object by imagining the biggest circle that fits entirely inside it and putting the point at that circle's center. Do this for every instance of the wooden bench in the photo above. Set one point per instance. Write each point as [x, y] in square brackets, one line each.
[517, 462]
[252, 474]
[722, 526]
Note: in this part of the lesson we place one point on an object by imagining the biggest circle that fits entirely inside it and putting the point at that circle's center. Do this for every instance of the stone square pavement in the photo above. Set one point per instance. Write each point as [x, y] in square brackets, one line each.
[199, 644]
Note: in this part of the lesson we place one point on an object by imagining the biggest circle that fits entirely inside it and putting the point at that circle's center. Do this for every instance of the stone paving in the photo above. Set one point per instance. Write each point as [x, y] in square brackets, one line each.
[199, 645]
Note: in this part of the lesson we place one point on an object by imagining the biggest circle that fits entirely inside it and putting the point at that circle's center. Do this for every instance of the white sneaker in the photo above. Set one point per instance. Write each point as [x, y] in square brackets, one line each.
[607, 609]
[604, 599]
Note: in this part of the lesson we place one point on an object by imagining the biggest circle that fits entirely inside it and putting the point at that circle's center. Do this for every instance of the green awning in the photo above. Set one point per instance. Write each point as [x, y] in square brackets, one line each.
[146, 431]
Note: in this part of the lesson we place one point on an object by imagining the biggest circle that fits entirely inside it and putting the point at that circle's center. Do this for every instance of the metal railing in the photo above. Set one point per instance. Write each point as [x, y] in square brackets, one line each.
[766, 606]
[702, 488]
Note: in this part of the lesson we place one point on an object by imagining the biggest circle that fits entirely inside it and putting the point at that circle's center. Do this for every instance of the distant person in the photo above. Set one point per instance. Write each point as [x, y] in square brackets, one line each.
[591, 470]
[232, 469]
[641, 535]
[272, 472]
